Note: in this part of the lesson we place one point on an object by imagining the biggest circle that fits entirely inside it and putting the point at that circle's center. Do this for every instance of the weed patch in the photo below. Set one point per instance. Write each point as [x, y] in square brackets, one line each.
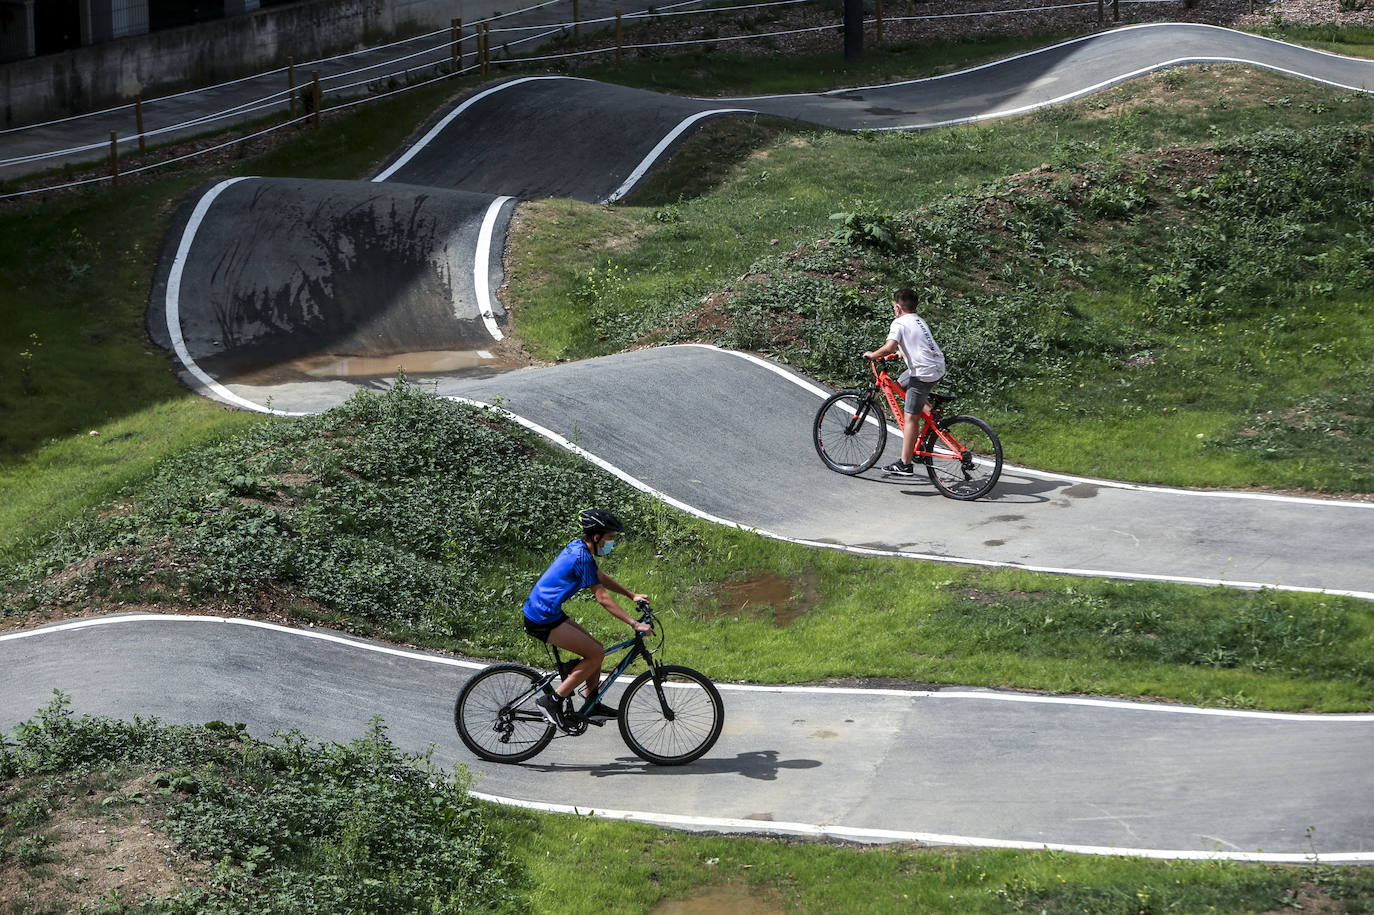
[404, 512]
[287, 826]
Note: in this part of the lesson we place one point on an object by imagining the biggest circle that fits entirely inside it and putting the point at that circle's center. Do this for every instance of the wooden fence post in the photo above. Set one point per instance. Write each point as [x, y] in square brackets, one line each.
[577, 28]
[617, 36]
[317, 96]
[291, 84]
[138, 121]
[114, 156]
[1116, 11]
[878, 9]
[455, 39]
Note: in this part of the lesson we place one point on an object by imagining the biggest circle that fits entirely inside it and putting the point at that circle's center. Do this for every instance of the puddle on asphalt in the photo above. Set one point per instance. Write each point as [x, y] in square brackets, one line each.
[766, 595]
[721, 900]
[331, 366]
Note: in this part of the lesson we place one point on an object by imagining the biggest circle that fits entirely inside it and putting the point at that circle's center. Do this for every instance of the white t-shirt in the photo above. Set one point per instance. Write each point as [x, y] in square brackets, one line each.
[918, 347]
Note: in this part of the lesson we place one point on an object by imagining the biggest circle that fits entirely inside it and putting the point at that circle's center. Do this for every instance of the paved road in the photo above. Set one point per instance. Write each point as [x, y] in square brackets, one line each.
[706, 439]
[946, 767]
[718, 426]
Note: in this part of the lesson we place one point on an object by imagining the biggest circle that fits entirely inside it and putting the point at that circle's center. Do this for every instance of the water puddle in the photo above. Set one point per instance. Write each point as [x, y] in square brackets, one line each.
[333, 366]
[720, 900]
[766, 595]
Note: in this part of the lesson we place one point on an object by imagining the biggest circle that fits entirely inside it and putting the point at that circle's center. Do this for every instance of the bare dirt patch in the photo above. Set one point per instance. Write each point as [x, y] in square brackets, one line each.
[988, 598]
[731, 899]
[98, 855]
[767, 595]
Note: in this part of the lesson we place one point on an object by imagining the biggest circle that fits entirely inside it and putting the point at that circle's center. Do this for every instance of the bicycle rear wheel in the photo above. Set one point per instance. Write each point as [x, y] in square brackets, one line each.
[488, 722]
[844, 444]
[675, 724]
[973, 473]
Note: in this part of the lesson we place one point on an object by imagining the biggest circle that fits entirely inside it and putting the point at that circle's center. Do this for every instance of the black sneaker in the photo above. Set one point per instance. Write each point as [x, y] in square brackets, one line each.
[601, 712]
[900, 468]
[551, 706]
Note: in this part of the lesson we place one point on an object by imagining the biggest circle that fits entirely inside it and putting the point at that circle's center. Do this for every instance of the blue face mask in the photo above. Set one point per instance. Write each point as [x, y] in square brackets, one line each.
[605, 548]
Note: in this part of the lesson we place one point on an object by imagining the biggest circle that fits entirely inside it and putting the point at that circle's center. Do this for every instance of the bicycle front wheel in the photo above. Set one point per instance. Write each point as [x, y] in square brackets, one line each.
[971, 473]
[847, 443]
[673, 721]
[496, 716]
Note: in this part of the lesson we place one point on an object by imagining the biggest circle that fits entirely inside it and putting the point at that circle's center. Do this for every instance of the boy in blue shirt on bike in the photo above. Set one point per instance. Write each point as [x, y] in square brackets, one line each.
[574, 569]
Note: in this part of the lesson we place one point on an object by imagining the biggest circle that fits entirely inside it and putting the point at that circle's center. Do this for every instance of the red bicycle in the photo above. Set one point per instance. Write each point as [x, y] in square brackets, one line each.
[962, 454]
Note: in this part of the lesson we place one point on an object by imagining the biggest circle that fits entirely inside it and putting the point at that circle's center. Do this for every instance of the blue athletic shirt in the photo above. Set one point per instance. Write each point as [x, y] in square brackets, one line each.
[571, 571]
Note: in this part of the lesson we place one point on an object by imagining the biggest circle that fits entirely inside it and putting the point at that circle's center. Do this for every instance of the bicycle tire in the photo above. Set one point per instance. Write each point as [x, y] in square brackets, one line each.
[697, 715]
[972, 475]
[488, 727]
[844, 451]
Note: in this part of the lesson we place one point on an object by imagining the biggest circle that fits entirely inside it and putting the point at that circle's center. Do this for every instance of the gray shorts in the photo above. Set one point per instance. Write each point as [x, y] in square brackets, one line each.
[917, 392]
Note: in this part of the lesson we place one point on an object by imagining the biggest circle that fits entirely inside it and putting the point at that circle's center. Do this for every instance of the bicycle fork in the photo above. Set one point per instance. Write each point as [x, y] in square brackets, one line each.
[860, 417]
[658, 678]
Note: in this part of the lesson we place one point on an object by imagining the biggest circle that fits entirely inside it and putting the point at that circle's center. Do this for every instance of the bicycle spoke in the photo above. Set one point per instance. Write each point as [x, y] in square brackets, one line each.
[488, 724]
[971, 471]
[685, 730]
[849, 432]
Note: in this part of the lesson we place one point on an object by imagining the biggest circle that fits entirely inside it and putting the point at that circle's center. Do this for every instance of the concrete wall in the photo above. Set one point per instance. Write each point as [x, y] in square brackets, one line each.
[102, 75]
[16, 29]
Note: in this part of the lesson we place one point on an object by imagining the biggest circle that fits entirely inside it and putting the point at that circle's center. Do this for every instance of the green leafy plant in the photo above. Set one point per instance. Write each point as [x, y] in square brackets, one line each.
[26, 365]
[865, 228]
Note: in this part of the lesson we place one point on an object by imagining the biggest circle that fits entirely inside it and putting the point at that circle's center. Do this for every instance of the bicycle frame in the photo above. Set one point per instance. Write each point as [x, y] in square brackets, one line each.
[892, 392]
[637, 649]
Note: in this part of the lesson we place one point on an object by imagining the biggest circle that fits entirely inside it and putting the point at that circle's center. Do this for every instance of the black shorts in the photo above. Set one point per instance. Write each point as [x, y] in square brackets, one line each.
[541, 631]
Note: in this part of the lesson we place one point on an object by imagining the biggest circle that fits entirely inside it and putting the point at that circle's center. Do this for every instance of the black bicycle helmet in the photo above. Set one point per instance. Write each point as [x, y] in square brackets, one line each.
[599, 521]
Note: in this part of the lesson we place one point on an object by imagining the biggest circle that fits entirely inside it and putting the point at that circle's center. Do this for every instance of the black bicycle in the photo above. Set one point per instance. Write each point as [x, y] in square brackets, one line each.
[669, 715]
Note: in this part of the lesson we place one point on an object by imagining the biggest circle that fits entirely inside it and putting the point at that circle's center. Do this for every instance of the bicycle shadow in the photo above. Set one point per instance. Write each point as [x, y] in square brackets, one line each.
[761, 765]
[1012, 488]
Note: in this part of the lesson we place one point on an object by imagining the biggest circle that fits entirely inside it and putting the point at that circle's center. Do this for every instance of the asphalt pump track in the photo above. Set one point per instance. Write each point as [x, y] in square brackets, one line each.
[267, 288]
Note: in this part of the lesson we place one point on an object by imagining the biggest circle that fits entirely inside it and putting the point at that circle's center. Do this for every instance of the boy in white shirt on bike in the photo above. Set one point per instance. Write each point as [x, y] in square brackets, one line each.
[925, 365]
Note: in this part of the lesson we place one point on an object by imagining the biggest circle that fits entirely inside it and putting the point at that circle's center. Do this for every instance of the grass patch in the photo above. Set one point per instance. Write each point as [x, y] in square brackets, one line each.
[1063, 256]
[1338, 38]
[638, 867]
[77, 360]
[409, 517]
[719, 72]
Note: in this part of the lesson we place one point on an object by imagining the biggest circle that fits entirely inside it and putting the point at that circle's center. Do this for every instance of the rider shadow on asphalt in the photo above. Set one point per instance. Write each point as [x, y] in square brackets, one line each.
[762, 765]
[1011, 488]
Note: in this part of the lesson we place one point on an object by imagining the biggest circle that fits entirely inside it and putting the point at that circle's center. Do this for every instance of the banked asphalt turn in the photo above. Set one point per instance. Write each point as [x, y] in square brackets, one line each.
[261, 272]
